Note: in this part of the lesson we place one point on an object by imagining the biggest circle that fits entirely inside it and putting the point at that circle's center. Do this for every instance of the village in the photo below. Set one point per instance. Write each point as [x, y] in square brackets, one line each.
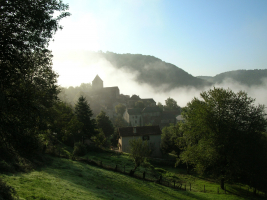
[144, 122]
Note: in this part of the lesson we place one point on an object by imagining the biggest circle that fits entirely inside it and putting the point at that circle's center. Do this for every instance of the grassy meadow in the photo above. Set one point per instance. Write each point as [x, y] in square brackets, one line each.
[67, 179]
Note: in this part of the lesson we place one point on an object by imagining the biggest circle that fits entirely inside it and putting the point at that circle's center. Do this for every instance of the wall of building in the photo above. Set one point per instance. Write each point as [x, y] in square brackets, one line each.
[154, 140]
[135, 120]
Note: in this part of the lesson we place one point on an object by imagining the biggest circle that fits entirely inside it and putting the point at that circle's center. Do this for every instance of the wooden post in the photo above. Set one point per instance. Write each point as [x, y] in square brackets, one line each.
[190, 186]
[204, 188]
[124, 168]
[116, 168]
[224, 189]
[185, 187]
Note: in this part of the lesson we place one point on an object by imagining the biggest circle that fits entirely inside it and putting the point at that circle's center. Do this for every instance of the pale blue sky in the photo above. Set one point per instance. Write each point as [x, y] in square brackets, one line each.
[203, 37]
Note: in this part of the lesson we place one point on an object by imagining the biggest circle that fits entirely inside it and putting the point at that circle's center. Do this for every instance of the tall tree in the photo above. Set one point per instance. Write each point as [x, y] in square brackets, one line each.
[84, 114]
[224, 137]
[27, 82]
[120, 109]
[172, 139]
[139, 151]
[103, 122]
[171, 104]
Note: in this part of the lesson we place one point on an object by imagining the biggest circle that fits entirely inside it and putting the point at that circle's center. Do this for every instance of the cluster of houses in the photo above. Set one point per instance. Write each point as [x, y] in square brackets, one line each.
[145, 123]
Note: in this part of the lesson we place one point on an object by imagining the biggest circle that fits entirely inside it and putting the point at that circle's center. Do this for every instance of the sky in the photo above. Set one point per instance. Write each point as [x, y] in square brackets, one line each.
[202, 37]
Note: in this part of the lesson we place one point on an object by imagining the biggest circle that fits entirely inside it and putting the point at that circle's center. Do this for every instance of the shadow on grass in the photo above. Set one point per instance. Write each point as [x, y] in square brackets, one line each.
[107, 184]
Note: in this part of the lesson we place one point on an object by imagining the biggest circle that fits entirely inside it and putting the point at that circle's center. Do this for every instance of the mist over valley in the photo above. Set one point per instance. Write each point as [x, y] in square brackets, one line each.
[150, 77]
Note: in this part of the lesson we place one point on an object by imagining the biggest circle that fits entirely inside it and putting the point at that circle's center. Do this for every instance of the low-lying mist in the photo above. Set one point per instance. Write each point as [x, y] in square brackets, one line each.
[82, 67]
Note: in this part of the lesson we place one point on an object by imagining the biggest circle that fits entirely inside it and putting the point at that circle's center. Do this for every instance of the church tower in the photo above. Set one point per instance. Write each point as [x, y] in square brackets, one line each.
[97, 83]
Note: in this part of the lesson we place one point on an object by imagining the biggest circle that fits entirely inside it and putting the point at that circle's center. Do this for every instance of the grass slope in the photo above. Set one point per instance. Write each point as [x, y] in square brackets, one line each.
[67, 179]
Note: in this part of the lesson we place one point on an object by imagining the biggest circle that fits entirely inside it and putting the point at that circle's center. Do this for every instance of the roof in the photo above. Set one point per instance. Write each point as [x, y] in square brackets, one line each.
[149, 100]
[140, 131]
[111, 88]
[97, 78]
[151, 109]
[134, 111]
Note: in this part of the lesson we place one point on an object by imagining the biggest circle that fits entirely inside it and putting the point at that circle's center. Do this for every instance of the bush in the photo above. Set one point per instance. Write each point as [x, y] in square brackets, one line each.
[79, 149]
[7, 192]
[6, 167]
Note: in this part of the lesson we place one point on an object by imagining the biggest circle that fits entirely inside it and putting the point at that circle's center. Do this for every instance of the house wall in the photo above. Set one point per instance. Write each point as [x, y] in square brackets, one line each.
[136, 120]
[155, 140]
[126, 116]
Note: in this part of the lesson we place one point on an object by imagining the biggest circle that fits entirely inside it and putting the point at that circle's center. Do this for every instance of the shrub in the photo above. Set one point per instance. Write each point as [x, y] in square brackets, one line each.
[7, 192]
[79, 149]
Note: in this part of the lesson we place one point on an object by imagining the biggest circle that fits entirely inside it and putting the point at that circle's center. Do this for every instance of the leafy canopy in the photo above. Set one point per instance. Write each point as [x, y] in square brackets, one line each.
[103, 122]
[223, 133]
[139, 151]
[27, 82]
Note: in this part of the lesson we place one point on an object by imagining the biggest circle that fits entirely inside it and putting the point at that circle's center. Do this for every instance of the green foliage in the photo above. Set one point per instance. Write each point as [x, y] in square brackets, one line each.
[100, 138]
[84, 114]
[79, 149]
[139, 151]
[139, 104]
[6, 192]
[120, 109]
[224, 138]
[27, 82]
[103, 122]
[171, 104]
[160, 106]
[64, 123]
[172, 139]
[119, 122]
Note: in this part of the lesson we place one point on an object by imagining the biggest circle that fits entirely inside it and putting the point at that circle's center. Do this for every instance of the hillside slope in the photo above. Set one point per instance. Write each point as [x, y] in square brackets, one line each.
[66, 179]
[153, 71]
[245, 77]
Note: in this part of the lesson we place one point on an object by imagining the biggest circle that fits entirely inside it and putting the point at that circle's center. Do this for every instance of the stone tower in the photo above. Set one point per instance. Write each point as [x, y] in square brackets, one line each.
[97, 83]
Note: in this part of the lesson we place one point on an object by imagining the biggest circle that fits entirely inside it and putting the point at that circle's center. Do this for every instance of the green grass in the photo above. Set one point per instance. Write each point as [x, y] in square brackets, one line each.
[67, 179]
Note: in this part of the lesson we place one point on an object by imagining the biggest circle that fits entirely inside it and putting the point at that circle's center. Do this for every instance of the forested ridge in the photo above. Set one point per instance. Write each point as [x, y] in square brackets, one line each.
[245, 77]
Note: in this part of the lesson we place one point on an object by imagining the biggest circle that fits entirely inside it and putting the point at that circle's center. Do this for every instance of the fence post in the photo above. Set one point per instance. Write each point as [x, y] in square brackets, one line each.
[185, 187]
[224, 189]
[124, 168]
[204, 188]
[190, 186]
[116, 168]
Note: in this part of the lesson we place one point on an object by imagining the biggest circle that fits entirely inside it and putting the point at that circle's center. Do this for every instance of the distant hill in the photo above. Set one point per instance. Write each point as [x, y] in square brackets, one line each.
[245, 77]
[153, 71]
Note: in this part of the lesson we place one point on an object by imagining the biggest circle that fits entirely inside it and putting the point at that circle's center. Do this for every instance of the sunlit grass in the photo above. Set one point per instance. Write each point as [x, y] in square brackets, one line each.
[66, 179]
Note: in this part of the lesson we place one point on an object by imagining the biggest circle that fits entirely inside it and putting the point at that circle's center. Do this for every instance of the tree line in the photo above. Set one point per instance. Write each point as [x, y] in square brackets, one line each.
[223, 136]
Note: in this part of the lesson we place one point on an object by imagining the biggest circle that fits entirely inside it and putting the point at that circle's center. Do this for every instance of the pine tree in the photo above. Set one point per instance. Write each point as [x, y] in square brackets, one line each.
[84, 114]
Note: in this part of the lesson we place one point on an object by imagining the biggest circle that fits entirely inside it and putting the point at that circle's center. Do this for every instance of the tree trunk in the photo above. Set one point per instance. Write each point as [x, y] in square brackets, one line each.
[222, 183]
